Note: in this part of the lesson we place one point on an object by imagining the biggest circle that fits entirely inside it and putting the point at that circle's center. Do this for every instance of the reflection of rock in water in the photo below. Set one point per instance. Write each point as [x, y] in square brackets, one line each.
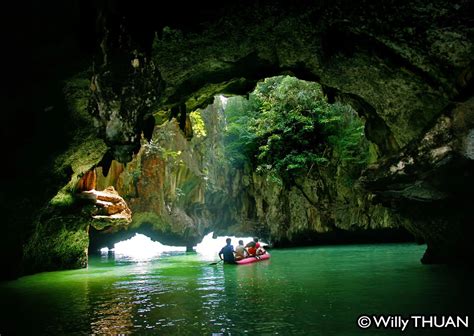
[113, 317]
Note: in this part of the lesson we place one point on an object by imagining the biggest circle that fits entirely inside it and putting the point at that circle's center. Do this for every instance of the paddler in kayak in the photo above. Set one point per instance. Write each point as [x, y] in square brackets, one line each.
[228, 252]
[240, 251]
[259, 247]
[254, 248]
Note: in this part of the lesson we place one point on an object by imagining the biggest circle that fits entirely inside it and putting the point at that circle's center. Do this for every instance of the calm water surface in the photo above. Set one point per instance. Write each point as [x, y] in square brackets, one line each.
[304, 291]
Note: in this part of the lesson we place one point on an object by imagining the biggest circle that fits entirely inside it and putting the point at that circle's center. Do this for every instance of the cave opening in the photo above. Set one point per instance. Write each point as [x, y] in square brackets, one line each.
[248, 164]
[139, 248]
[142, 248]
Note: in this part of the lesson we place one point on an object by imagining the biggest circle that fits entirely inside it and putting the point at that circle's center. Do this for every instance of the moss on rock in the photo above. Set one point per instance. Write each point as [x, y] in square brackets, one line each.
[59, 242]
[59, 239]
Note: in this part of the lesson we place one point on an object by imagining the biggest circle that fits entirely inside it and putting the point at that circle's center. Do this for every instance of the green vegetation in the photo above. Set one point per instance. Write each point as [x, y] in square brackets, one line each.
[199, 128]
[59, 242]
[86, 148]
[62, 199]
[287, 127]
[240, 142]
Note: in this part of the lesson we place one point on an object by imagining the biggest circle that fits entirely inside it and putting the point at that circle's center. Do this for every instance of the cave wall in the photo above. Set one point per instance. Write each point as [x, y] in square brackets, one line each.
[166, 182]
[431, 182]
[46, 47]
[398, 65]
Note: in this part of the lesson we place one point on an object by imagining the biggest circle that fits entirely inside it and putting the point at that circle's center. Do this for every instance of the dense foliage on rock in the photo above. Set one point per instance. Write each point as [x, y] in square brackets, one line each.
[287, 127]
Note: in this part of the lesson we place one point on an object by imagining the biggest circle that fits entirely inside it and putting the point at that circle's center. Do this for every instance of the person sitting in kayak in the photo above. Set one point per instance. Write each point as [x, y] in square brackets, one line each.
[254, 248]
[251, 248]
[240, 252]
[260, 249]
[228, 252]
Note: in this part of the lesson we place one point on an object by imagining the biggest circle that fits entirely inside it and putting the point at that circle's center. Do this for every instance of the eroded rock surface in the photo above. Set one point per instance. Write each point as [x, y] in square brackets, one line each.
[431, 182]
[110, 205]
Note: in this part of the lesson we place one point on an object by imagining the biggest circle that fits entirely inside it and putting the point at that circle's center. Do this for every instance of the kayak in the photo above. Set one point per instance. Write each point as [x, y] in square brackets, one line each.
[250, 260]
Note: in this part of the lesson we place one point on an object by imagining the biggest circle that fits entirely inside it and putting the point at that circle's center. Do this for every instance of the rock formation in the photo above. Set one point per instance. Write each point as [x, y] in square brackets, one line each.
[109, 204]
[430, 182]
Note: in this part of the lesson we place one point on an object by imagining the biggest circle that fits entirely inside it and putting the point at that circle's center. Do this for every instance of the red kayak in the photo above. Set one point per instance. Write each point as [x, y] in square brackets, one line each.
[253, 259]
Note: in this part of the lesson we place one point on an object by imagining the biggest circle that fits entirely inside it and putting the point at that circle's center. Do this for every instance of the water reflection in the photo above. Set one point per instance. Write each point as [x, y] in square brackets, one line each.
[122, 304]
[113, 315]
[213, 291]
[181, 295]
[297, 292]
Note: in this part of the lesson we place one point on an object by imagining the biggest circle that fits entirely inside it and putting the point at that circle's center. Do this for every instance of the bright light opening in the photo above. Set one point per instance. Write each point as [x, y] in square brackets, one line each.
[210, 247]
[141, 247]
[223, 100]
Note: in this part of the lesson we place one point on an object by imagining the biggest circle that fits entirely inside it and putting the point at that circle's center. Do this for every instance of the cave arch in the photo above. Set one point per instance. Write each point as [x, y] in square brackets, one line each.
[376, 129]
[401, 91]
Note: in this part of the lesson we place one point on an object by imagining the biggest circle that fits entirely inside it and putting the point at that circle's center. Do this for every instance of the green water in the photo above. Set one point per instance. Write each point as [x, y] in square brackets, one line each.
[305, 291]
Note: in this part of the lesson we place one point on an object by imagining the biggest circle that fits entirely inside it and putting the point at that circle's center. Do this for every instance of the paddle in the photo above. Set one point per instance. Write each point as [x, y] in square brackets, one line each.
[215, 263]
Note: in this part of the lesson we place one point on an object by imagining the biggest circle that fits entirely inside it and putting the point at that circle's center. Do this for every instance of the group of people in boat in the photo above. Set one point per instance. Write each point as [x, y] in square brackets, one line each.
[251, 249]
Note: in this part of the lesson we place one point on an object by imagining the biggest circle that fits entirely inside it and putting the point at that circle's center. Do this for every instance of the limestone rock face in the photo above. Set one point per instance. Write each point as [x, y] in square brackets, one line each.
[405, 74]
[316, 208]
[168, 180]
[88, 181]
[110, 205]
[119, 103]
[58, 228]
[431, 183]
